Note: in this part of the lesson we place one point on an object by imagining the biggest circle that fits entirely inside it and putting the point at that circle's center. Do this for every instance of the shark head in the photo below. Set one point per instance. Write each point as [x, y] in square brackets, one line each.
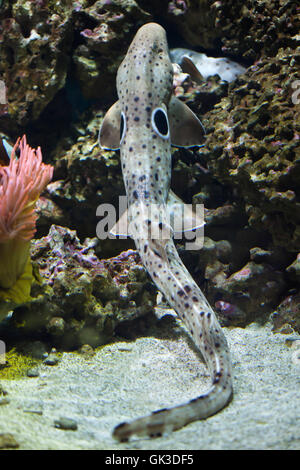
[145, 86]
[145, 121]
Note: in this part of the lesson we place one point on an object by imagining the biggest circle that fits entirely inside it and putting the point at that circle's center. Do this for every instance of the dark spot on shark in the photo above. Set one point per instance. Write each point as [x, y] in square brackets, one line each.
[155, 434]
[157, 254]
[159, 411]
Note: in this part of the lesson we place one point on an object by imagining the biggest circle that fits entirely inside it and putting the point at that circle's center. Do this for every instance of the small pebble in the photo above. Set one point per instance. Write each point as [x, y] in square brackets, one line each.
[67, 424]
[87, 351]
[286, 329]
[125, 348]
[2, 391]
[34, 412]
[4, 401]
[33, 372]
[34, 406]
[7, 441]
[293, 342]
[51, 360]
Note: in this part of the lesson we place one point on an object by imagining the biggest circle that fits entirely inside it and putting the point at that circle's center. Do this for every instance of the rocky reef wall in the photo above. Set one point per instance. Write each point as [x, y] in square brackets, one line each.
[58, 61]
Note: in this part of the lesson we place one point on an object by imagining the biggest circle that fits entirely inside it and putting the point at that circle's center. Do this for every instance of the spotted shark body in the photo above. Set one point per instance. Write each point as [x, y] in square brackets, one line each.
[143, 123]
[200, 66]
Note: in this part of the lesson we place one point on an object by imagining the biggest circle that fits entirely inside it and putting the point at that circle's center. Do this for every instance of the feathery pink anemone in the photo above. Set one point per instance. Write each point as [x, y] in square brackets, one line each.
[21, 183]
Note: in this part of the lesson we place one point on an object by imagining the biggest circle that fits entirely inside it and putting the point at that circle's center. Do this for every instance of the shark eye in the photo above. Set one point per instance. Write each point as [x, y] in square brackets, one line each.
[160, 122]
[122, 127]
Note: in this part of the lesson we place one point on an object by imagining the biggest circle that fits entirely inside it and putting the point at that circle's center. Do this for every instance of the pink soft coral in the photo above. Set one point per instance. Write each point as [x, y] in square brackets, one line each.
[21, 183]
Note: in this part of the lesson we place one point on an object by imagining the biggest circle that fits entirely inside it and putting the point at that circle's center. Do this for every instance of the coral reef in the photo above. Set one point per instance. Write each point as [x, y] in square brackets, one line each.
[248, 173]
[35, 42]
[88, 177]
[21, 183]
[286, 317]
[58, 62]
[42, 43]
[255, 143]
[82, 299]
[253, 147]
[103, 28]
[248, 29]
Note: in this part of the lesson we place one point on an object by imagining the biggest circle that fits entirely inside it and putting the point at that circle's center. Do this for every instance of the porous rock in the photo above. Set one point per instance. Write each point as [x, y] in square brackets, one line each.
[82, 299]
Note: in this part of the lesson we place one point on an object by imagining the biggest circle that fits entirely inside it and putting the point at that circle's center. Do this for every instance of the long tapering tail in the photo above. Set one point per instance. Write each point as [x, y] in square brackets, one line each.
[183, 294]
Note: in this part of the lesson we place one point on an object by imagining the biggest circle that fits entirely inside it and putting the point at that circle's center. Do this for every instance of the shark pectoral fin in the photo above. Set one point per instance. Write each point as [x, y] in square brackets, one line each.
[109, 133]
[189, 67]
[185, 128]
[183, 218]
[120, 228]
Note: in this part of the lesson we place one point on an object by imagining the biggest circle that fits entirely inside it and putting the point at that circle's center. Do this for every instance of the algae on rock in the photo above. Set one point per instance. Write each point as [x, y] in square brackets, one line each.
[82, 299]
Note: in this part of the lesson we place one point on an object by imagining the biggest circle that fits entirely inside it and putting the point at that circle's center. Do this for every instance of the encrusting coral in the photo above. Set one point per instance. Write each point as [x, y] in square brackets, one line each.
[21, 183]
[83, 299]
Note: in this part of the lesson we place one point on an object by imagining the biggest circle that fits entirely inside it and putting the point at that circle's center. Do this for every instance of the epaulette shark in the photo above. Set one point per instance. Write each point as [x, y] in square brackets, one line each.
[145, 121]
